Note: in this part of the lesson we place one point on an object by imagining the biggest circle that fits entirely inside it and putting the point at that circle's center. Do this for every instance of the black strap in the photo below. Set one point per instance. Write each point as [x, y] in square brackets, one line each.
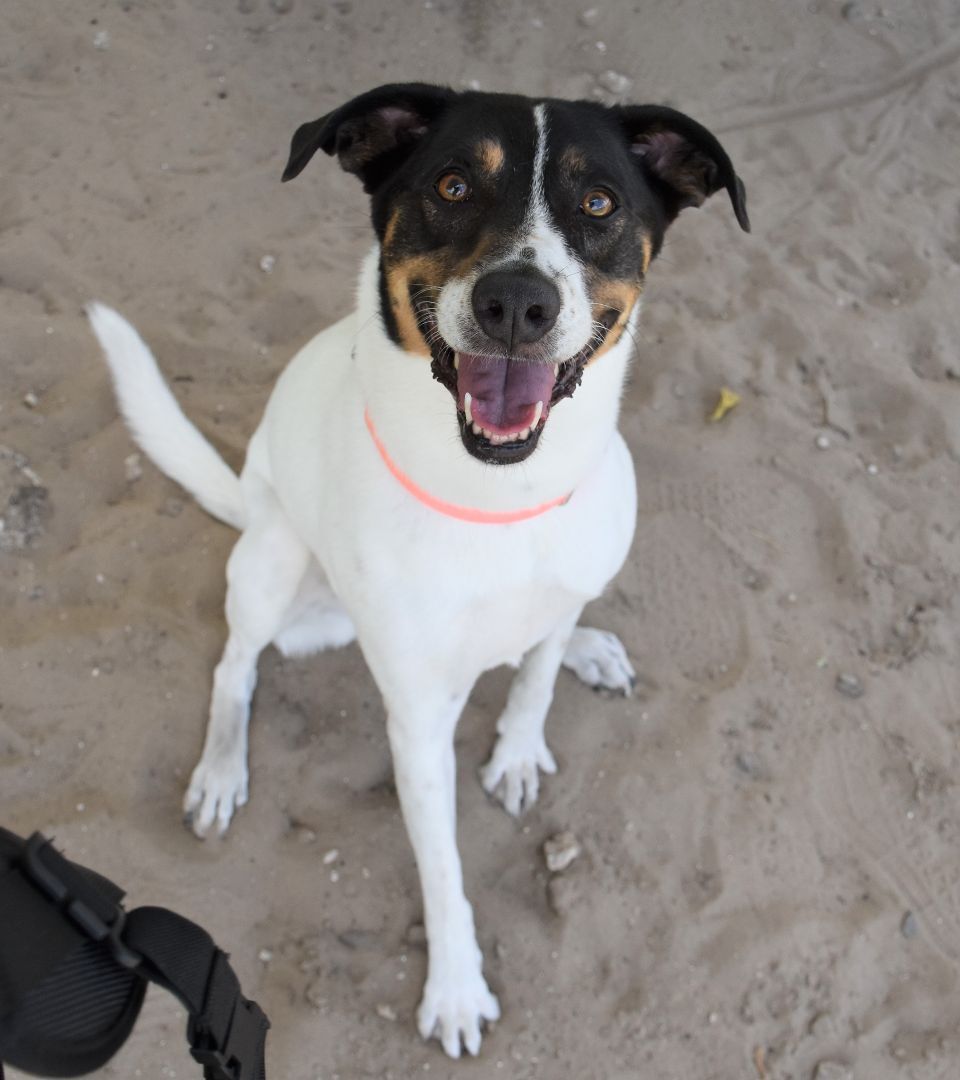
[227, 1032]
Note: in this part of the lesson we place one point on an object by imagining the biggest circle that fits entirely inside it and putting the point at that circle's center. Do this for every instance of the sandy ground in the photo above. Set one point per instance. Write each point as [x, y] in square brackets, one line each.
[770, 883]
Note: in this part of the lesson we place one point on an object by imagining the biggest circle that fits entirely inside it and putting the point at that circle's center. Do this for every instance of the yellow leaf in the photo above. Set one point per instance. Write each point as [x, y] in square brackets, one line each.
[728, 400]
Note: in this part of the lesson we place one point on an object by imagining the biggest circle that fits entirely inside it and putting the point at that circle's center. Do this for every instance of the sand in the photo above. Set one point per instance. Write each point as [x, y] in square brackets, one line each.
[753, 838]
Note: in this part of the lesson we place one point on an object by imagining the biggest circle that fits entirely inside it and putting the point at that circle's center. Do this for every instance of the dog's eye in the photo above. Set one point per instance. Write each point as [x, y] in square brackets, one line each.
[598, 203]
[453, 187]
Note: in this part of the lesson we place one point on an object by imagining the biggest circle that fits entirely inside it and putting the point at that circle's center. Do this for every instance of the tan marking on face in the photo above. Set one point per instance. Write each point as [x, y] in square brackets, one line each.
[390, 231]
[431, 269]
[612, 294]
[647, 244]
[491, 156]
[573, 159]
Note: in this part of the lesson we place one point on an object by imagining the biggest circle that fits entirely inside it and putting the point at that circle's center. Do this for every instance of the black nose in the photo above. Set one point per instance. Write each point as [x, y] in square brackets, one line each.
[515, 306]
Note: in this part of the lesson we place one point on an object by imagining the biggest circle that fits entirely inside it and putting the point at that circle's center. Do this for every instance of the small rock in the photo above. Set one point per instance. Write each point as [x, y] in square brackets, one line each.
[31, 400]
[385, 1012]
[909, 926]
[822, 442]
[601, 46]
[101, 39]
[131, 467]
[590, 17]
[264, 956]
[267, 263]
[560, 851]
[849, 685]
[307, 836]
[331, 856]
[615, 82]
[830, 1070]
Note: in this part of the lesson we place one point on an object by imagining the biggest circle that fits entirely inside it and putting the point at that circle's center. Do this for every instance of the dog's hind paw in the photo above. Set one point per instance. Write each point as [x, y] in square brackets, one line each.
[453, 1010]
[216, 789]
[512, 774]
[598, 659]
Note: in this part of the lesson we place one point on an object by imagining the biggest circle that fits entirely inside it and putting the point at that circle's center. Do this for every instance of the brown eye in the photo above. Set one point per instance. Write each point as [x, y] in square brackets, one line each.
[598, 203]
[453, 187]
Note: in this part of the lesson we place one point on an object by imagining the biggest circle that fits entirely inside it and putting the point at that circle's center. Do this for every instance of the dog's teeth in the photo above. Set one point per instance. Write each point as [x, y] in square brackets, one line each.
[538, 412]
[487, 434]
[477, 429]
[456, 361]
[466, 408]
[556, 370]
[525, 434]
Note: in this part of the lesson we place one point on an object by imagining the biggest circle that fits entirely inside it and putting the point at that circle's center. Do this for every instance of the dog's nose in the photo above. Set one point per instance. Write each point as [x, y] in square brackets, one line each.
[515, 306]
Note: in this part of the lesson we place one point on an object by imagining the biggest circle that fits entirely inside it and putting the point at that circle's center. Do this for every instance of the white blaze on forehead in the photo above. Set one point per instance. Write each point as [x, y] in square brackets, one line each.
[538, 198]
[551, 257]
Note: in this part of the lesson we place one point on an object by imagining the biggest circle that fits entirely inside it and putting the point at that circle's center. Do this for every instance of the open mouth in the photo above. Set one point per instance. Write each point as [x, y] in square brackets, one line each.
[504, 402]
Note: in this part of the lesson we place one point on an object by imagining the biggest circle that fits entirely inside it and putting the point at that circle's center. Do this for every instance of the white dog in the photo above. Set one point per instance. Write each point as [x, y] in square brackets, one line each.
[514, 237]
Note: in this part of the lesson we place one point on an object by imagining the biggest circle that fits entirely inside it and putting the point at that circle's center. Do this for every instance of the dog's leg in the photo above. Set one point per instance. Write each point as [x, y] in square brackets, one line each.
[263, 575]
[316, 621]
[456, 998]
[598, 659]
[513, 771]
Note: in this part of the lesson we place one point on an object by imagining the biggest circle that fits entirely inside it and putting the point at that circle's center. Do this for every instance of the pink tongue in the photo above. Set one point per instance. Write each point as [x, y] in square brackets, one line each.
[504, 392]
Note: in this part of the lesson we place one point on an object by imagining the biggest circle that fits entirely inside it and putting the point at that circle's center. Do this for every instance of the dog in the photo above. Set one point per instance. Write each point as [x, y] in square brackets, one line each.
[439, 475]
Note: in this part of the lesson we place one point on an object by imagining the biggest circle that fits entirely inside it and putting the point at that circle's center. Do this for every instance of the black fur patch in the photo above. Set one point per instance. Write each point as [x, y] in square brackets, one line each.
[401, 140]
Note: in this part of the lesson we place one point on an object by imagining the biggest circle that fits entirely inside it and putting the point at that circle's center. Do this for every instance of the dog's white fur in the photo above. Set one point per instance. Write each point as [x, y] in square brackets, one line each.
[333, 548]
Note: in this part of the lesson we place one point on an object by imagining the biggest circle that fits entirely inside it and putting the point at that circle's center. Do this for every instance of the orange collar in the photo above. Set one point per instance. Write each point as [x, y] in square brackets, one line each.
[461, 513]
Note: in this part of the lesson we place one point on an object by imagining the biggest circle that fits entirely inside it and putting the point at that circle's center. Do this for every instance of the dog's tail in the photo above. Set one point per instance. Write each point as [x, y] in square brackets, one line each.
[157, 422]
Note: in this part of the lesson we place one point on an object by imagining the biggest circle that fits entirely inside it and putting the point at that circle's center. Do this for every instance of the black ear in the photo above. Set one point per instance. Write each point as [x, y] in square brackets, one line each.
[373, 133]
[685, 160]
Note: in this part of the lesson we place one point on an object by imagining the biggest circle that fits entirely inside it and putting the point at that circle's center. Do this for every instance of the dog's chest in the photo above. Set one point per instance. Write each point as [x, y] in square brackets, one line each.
[481, 595]
[413, 579]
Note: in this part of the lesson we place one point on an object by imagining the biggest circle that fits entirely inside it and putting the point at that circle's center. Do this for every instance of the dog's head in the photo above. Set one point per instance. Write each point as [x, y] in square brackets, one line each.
[515, 234]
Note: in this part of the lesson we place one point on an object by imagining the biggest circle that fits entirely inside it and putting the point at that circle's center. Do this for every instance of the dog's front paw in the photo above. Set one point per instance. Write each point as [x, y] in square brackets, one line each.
[455, 1004]
[598, 659]
[217, 788]
[513, 772]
